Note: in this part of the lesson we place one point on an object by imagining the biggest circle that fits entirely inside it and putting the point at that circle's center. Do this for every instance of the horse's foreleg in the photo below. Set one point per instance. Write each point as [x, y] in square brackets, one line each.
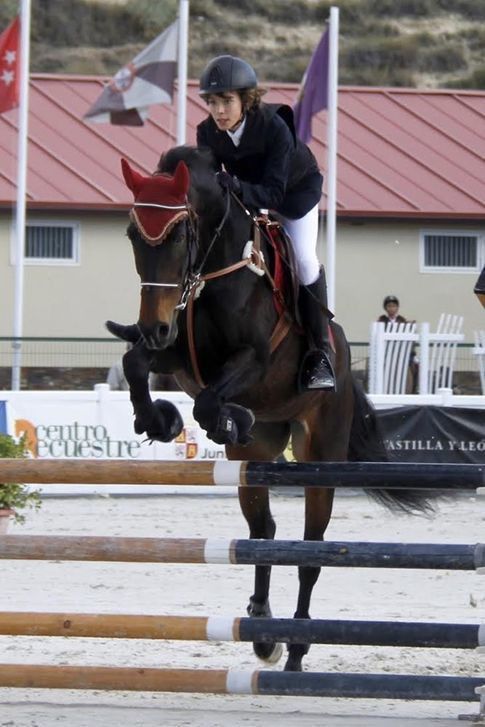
[225, 422]
[160, 420]
[318, 509]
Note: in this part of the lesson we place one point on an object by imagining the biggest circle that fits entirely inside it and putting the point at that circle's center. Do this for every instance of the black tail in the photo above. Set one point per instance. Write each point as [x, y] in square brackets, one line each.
[367, 445]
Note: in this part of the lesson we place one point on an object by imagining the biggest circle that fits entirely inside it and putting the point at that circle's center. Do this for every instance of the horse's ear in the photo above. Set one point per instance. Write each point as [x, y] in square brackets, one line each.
[133, 178]
[182, 178]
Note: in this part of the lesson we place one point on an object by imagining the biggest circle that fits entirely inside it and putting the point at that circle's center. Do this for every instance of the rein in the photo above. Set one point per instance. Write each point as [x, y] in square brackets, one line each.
[195, 280]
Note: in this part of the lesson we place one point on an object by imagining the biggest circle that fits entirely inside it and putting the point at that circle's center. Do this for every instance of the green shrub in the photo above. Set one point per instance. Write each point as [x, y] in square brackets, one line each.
[475, 80]
[400, 8]
[14, 496]
[441, 59]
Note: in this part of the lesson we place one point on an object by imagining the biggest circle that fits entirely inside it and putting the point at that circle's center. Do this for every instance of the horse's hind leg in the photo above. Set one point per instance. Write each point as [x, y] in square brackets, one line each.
[318, 509]
[270, 441]
[324, 438]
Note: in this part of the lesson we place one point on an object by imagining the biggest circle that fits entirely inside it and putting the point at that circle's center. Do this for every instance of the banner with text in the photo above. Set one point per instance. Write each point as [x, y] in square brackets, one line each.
[434, 434]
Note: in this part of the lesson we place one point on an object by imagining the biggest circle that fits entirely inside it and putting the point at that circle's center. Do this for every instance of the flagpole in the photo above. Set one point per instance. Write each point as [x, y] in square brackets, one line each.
[332, 155]
[23, 116]
[182, 71]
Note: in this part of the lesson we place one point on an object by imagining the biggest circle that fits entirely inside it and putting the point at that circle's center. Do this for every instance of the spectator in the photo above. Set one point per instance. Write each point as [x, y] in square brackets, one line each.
[116, 376]
[391, 306]
[392, 315]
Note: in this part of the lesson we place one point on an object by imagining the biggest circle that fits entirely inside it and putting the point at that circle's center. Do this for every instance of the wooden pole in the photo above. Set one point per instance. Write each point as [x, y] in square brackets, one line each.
[220, 628]
[389, 475]
[355, 554]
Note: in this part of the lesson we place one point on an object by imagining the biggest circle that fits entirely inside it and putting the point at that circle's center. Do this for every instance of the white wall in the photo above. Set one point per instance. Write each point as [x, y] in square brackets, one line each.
[372, 260]
[375, 259]
[75, 300]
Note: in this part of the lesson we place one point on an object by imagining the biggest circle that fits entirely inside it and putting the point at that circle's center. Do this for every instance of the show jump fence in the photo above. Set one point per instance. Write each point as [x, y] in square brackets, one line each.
[388, 555]
[392, 350]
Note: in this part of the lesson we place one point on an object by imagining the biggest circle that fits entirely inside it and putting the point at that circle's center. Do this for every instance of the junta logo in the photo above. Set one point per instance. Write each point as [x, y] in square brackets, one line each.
[186, 446]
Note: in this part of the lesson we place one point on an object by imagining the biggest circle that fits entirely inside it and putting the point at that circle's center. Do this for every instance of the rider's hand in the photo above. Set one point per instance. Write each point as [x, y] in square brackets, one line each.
[226, 181]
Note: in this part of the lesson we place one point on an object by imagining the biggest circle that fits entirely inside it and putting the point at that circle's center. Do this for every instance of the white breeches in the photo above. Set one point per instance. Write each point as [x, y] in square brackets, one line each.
[304, 236]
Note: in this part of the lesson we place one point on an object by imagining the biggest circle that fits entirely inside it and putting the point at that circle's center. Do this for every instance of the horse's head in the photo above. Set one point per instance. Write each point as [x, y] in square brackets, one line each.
[161, 232]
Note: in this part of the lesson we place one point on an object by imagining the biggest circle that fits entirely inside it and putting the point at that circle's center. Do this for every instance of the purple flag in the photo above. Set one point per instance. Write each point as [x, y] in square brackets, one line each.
[147, 80]
[313, 94]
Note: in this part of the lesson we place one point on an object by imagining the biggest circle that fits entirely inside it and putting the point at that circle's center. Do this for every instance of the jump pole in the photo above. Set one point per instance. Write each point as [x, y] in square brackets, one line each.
[368, 475]
[371, 686]
[435, 556]
[220, 628]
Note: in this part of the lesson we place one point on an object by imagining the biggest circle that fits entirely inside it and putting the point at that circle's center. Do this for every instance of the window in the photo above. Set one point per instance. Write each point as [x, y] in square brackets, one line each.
[51, 243]
[451, 251]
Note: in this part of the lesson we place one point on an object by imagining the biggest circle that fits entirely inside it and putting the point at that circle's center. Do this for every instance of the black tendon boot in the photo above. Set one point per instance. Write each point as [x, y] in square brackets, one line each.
[316, 370]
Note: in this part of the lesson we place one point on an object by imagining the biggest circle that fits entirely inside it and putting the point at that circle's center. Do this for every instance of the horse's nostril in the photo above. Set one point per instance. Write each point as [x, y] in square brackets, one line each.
[163, 329]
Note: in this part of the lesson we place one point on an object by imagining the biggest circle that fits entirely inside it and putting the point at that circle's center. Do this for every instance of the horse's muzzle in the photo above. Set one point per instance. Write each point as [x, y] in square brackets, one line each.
[158, 336]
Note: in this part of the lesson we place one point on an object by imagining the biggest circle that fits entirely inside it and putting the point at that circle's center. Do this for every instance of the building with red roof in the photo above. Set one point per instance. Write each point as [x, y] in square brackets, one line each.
[410, 203]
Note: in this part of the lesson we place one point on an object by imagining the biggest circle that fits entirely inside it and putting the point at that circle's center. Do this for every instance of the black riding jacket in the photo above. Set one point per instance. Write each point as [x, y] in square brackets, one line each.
[275, 169]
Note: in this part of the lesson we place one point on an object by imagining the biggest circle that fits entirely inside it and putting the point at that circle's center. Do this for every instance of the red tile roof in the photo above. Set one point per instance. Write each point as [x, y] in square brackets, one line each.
[401, 153]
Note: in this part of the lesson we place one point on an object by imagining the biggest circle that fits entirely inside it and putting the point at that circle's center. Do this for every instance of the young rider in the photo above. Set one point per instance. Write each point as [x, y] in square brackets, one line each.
[267, 167]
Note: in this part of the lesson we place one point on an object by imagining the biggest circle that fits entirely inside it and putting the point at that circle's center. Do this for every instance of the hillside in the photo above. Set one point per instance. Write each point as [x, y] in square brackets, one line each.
[422, 43]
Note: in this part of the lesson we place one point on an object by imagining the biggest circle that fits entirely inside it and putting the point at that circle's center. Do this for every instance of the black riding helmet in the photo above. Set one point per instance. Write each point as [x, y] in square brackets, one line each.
[227, 73]
[390, 299]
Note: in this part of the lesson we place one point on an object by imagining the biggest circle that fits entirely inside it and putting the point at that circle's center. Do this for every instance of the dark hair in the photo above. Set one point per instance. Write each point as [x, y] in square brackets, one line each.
[250, 97]
[390, 299]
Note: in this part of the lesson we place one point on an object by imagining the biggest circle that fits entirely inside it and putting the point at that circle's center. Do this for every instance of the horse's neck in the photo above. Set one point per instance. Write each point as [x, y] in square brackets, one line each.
[223, 248]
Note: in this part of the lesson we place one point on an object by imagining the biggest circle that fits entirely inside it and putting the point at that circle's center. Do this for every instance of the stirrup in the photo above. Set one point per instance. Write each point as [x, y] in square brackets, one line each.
[316, 372]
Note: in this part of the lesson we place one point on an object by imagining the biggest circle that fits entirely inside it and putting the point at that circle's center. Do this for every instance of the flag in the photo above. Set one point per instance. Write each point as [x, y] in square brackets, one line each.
[313, 94]
[10, 66]
[147, 79]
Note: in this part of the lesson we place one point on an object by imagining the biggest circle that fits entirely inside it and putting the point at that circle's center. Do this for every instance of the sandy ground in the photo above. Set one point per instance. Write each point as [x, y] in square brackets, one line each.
[224, 590]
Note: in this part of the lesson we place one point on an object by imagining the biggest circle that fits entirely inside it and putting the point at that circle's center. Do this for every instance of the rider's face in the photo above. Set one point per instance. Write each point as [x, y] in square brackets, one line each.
[226, 109]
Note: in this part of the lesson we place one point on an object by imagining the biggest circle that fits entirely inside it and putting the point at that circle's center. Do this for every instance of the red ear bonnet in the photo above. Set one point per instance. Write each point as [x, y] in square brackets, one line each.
[160, 200]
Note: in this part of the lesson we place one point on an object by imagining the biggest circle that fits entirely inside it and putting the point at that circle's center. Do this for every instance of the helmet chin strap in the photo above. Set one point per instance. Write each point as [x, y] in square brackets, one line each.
[237, 124]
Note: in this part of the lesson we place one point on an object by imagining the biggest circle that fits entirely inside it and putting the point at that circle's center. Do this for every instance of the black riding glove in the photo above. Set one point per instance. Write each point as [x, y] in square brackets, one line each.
[232, 184]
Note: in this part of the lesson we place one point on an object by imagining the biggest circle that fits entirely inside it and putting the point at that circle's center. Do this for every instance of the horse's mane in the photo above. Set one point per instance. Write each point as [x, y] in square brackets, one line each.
[201, 162]
[205, 192]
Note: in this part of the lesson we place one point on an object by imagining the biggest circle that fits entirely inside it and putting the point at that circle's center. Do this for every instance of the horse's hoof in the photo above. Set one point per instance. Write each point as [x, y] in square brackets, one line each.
[165, 424]
[270, 653]
[131, 334]
[296, 652]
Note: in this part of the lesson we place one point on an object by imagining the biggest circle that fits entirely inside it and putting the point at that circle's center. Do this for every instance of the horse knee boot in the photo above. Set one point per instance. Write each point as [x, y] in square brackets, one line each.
[316, 370]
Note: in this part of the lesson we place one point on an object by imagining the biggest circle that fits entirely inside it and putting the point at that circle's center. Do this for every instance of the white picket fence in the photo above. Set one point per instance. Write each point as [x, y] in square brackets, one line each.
[479, 351]
[391, 352]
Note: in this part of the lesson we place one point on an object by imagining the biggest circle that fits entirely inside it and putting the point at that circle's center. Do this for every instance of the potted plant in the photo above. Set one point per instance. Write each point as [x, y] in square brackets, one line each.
[15, 497]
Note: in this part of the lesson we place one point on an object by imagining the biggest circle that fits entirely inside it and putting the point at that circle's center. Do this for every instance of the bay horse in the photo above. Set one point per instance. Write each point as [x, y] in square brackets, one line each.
[223, 337]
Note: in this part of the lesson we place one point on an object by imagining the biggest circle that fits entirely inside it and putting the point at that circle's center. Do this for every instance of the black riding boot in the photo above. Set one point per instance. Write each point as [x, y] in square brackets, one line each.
[316, 371]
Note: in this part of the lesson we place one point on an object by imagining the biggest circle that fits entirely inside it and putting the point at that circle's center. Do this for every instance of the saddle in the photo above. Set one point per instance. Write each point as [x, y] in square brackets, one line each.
[279, 271]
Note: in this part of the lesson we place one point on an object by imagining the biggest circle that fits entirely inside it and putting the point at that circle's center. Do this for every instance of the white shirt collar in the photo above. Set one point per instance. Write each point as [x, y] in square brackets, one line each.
[236, 135]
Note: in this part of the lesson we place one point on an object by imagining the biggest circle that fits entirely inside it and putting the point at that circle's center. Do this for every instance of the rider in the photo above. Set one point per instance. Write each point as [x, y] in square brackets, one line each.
[267, 167]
